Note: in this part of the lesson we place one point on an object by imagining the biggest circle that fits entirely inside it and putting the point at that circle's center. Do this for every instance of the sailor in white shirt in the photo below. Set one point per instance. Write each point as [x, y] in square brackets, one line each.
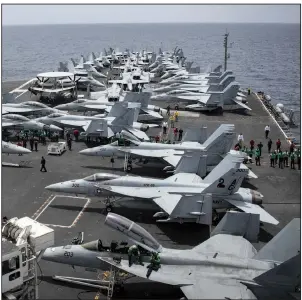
[267, 129]
[240, 139]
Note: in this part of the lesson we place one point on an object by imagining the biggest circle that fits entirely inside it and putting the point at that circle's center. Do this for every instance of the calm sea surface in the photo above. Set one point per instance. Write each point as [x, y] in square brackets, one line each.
[265, 57]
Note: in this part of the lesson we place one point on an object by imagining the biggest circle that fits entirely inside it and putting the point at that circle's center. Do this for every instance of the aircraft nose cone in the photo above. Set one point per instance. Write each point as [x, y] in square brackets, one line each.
[55, 128]
[56, 187]
[61, 107]
[25, 151]
[49, 254]
[87, 152]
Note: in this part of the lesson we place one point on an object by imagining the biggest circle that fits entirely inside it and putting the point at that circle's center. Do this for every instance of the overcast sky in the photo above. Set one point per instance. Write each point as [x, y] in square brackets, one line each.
[84, 14]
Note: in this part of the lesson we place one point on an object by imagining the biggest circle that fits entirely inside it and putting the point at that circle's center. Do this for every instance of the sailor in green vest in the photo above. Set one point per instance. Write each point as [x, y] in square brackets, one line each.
[133, 253]
[280, 157]
[273, 158]
[257, 157]
[154, 263]
[292, 157]
[276, 157]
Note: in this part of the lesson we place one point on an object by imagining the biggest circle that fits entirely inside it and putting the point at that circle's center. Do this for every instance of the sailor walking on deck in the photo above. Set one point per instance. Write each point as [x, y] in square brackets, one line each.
[267, 129]
[285, 158]
[257, 157]
[43, 162]
[260, 145]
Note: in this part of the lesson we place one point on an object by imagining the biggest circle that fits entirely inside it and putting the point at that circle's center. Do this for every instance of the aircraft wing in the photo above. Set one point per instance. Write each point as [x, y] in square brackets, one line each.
[242, 104]
[80, 124]
[172, 159]
[152, 113]
[152, 153]
[135, 192]
[137, 133]
[10, 124]
[217, 288]
[52, 90]
[254, 209]
[96, 107]
[16, 110]
[200, 98]
[194, 287]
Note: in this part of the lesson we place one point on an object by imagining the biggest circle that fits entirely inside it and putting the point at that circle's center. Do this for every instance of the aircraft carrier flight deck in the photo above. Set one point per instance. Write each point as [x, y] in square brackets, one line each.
[24, 194]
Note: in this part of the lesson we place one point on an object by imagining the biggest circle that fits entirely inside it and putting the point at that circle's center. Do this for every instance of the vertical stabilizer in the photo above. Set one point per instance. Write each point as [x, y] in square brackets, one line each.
[126, 119]
[198, 135]
[189, 162]
[221, 140]
[226, 178]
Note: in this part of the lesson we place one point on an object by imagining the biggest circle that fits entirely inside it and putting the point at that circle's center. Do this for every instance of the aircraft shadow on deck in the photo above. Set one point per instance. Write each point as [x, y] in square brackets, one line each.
[191, 234]
[141, 289]
[264, 236]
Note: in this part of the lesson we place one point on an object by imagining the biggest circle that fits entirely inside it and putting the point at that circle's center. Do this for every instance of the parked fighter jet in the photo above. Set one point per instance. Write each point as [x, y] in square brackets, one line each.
[13, 121]
[28, 108]
[225, 266]
[119, 119]
[86, 255]
[167, 156]
[10, 148]
[178, 196]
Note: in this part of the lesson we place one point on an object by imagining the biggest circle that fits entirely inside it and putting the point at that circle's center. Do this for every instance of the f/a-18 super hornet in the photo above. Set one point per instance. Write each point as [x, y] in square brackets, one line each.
[183, 197]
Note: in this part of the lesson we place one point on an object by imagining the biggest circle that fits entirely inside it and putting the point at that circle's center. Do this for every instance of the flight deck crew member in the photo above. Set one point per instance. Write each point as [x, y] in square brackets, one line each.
[168, 110]
[180, 132]
[31, 143]
[132, 253]
[267, 129]
[272, 157]
[280, 157]
[292, 160]
[172, 120]
[269, 145]
[176, 116]
[69, 144]
[240, 139]
[43, 161]
[257, 157]
[285, 158]
[165, 125]
[276, 157]
[154, 264]
[291, 147]
[260, 145]
[36, 145]
[175, 133]
[278, 144]
[252, 144]
[248, 91]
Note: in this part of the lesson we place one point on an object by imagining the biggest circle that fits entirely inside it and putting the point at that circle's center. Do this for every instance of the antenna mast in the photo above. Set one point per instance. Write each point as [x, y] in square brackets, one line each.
[226, 55]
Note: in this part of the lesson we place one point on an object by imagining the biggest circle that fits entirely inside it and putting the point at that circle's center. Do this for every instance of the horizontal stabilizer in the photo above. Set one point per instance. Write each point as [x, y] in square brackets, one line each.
[284, 245]
[285, 277]
[242, 105]
[254, 209]
[168, 202]
[239, 224]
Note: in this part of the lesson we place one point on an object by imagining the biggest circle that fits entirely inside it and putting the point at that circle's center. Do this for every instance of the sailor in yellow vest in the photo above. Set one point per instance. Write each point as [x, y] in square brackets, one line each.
[176, 114]
[172, 120]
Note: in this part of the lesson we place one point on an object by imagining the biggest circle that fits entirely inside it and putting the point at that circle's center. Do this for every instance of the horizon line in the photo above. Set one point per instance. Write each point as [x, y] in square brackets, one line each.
[148, 23]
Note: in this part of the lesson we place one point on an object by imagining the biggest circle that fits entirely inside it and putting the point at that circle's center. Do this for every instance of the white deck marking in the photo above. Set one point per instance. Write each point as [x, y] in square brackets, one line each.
[50, 199]
[21, 86]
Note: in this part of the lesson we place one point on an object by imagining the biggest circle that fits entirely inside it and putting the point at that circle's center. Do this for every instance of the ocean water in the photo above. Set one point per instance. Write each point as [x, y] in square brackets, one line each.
[265, 57]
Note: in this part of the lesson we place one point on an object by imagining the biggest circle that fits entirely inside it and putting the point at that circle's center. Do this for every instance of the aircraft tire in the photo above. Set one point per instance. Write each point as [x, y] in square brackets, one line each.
[109, 208]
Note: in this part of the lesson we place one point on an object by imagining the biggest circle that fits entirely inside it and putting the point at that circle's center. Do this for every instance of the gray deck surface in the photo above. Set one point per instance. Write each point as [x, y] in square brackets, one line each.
[23, 194]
